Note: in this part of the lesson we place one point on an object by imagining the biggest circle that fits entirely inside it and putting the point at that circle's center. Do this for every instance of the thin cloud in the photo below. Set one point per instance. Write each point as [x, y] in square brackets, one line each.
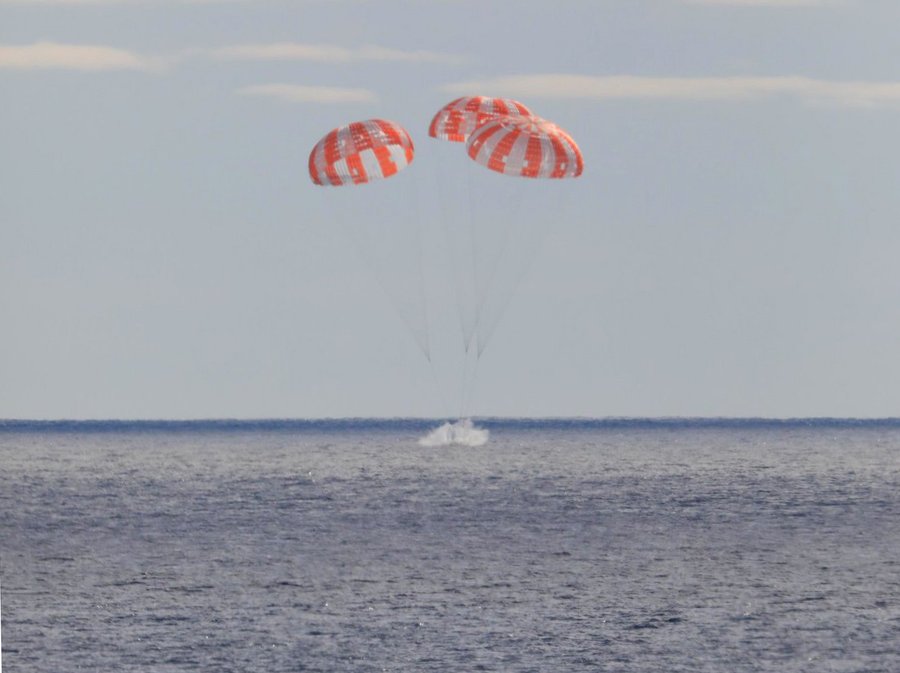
[297, 93]
[111, 2]
[759, 3]
[763, 3]
[56, 56]
[327, 53]
[61, 2]
[70, 3]
[625, 87]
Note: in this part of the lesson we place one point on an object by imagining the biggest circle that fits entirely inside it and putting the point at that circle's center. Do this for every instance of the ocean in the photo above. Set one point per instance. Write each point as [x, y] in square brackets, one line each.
[558, 545]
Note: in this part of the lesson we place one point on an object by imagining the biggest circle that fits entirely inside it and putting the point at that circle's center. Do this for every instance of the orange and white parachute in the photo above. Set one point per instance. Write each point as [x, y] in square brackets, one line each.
[360, 152]
[457, 120]
[380, 222]
[528, 147]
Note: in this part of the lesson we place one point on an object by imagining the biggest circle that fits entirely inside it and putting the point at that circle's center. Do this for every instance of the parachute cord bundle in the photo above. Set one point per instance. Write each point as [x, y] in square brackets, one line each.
[493, 297]
[417, 226]
[395, 274]
[469, 390]
[470, 230]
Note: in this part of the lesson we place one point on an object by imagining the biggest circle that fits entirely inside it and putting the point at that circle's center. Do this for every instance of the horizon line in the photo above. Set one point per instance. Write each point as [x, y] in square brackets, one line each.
[411, 421]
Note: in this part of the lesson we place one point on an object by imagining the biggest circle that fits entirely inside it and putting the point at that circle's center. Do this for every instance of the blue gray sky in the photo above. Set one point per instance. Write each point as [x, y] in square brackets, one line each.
[731, 249]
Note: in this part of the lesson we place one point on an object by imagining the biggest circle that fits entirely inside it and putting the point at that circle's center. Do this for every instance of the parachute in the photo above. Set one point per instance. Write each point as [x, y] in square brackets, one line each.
[524, 146]
[527, 147]
[492, 225]
[360, 152]
[366, 157]
[457, 120]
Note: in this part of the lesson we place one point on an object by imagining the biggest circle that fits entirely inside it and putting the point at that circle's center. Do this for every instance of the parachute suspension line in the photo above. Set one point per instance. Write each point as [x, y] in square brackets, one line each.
[473, 246]
[465, 383]
[462, 251]
[534, 244]
[470, 371]
[437, 386]
[420, 224]
[417, 226]
[369, 246]
[445, 220]
[468, 403]
[501, 254]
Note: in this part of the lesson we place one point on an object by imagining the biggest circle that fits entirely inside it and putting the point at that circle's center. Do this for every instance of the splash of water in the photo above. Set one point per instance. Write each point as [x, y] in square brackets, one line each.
[463, 432]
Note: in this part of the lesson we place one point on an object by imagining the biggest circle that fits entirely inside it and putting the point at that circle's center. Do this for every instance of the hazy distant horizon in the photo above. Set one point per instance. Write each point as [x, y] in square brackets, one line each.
[422, 421]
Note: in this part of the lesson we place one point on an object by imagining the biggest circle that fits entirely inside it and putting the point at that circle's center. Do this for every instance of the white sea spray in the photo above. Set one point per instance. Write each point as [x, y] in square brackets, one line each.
[462, 432]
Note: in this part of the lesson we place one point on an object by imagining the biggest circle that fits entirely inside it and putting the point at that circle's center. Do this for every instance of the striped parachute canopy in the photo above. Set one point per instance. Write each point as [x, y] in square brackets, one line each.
[527, 147]
[457, 119]
[360, 152]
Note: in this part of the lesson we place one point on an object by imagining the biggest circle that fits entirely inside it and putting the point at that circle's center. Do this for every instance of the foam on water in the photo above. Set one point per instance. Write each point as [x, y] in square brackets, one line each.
[463, 432]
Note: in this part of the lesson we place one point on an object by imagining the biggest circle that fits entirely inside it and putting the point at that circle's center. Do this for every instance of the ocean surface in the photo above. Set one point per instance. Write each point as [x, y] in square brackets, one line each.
[610, 545]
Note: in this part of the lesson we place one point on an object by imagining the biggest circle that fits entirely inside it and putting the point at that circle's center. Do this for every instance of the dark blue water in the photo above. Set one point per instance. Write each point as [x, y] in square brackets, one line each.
[345, 546]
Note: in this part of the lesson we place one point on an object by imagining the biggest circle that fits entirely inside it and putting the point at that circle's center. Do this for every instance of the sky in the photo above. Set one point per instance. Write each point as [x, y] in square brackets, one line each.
[730, 250]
